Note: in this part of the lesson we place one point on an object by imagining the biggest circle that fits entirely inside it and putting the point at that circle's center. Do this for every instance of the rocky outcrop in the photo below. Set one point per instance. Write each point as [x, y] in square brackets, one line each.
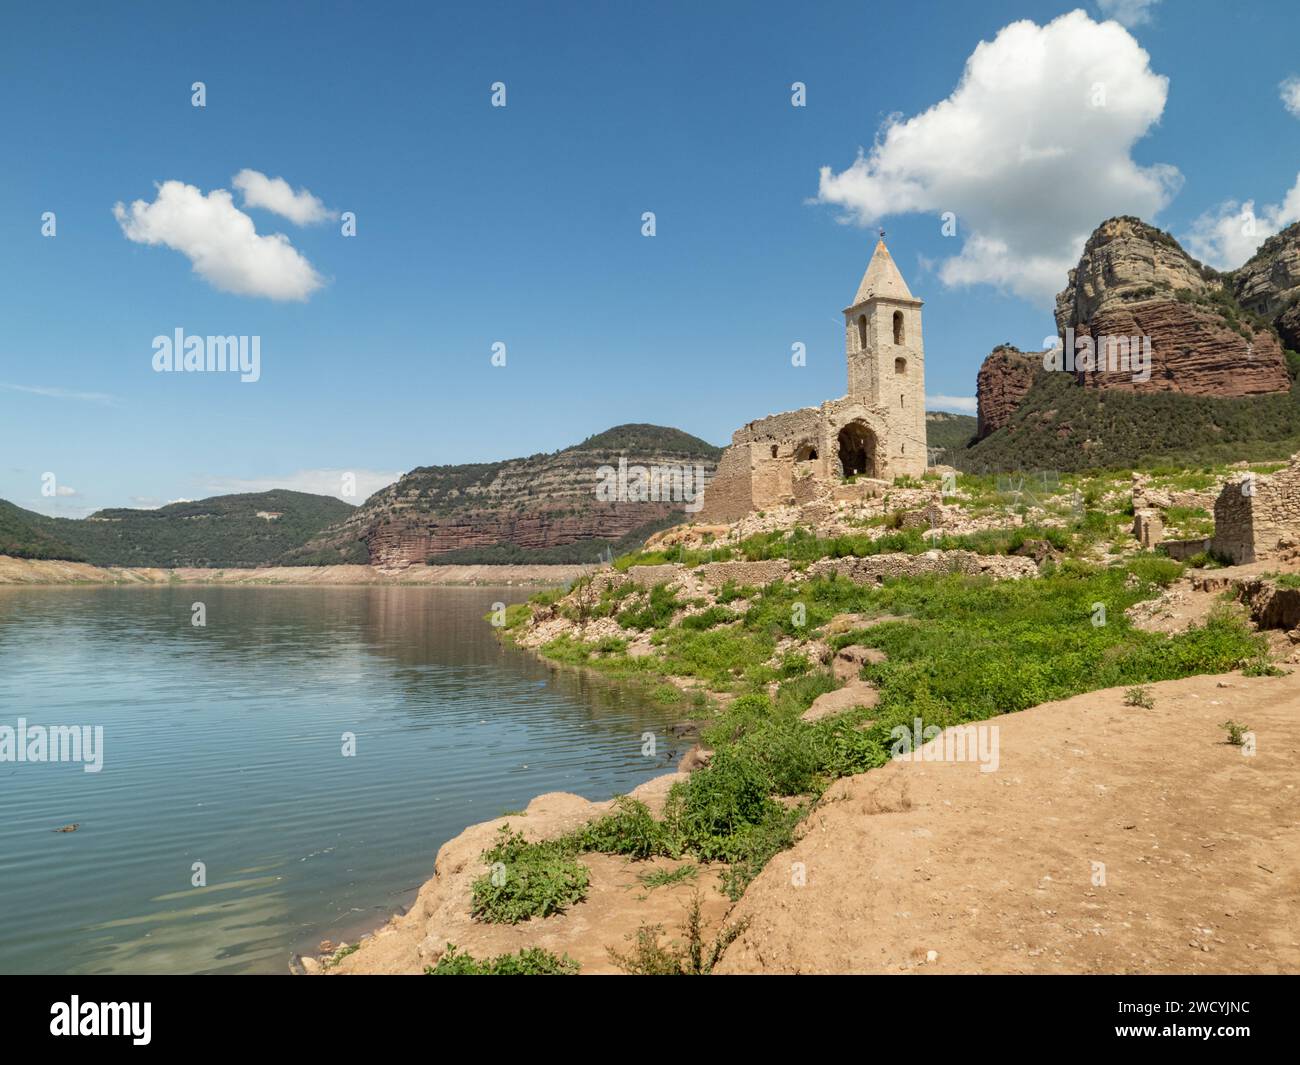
[417, 538]
[1135, 281]
[1004, 378]
[1194, 350]
[1126, 261]
[528, 509]
[1269, 284]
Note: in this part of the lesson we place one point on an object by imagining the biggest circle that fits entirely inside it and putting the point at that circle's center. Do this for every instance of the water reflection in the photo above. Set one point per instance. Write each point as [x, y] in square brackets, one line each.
[223, 746]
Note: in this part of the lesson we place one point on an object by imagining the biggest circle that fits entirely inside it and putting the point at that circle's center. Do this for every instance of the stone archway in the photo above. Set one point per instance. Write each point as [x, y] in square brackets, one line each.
[857, 448]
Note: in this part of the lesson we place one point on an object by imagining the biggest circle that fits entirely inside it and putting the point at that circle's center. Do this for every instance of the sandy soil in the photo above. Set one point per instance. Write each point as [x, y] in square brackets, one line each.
[617, 903]
[41, 571]
[938, 867]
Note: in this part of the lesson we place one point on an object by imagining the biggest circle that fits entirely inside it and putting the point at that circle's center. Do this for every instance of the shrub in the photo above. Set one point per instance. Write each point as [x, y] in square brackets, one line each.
[712, 806]
[730, 592]
[531, 880]
[688, 958]
[706, 619]
[1155, 569]
[533, 961]
[1139, 695]
[631, 830]
[654, 613]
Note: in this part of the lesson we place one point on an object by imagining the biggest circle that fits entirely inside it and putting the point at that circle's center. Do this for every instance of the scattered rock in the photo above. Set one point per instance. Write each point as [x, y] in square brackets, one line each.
[696, 758]
[854, 694]
[849, 661]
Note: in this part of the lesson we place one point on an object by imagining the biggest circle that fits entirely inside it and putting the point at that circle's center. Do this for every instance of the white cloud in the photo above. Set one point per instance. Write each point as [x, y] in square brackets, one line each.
[1290, 93]
[325, 482]
[220, 241]
[1031, 151]
[961, 404]
[61, 393]
[1128, 12]
[64, 490]
[1228, 235]
[276, 194]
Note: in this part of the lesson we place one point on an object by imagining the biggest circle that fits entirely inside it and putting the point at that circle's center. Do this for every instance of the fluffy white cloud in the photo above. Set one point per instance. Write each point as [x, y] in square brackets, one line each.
[1030, 152]
[276, 194]
[325, 482]
[962, 404]
[220, 241]
[1290, 93]
[1228, 235]
[1129, 12]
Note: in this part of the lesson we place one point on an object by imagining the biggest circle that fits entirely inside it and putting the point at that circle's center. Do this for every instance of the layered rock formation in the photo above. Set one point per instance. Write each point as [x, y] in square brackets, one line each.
[1126, 261]
[526, 509]
[1135, 281]
[1269, 284]
[1182, 328]
[1004, 378]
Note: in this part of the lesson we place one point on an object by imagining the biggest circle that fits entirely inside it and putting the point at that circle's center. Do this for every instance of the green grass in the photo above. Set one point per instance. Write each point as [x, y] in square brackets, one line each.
[967, 649]
[654, 611]
[533, 961]
[666, 877]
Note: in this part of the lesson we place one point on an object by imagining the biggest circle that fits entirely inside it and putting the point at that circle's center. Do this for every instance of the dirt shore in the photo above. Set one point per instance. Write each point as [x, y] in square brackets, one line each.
[43, 571]
[1110, 839]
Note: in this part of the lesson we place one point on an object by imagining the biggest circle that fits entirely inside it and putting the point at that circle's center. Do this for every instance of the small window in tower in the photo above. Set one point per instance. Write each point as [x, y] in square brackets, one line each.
[862, 332]
[774, 451]
[900, 366]
[902, 400]
[898, 327]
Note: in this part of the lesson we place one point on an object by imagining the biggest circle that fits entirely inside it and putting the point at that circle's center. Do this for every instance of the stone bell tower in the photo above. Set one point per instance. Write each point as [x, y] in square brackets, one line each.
[887, 360]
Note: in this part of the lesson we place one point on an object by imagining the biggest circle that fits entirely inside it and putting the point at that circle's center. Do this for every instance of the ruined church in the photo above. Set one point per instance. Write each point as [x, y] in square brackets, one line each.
[847, 447]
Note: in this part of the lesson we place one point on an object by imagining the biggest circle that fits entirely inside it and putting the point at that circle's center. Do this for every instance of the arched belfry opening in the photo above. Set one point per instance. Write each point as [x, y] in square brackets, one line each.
[857, 448]
[898, 327]
[862, 332]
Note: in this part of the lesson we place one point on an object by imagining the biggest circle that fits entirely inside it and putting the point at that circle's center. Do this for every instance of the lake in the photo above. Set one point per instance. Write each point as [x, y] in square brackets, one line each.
[223, 744]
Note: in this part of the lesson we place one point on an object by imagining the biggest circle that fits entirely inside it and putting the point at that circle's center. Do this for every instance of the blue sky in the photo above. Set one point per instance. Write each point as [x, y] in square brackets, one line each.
[522, 225]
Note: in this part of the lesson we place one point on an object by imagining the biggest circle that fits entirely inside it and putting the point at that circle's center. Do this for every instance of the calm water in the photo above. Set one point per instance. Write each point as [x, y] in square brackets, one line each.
[223, 745]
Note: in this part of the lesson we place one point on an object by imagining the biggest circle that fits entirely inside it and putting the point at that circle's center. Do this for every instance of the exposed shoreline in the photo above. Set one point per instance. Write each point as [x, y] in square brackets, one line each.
[27, 571]
[873, 847]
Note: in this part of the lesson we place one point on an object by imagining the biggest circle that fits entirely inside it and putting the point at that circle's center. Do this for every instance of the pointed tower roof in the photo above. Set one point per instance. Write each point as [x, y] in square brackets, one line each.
[882, 279]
